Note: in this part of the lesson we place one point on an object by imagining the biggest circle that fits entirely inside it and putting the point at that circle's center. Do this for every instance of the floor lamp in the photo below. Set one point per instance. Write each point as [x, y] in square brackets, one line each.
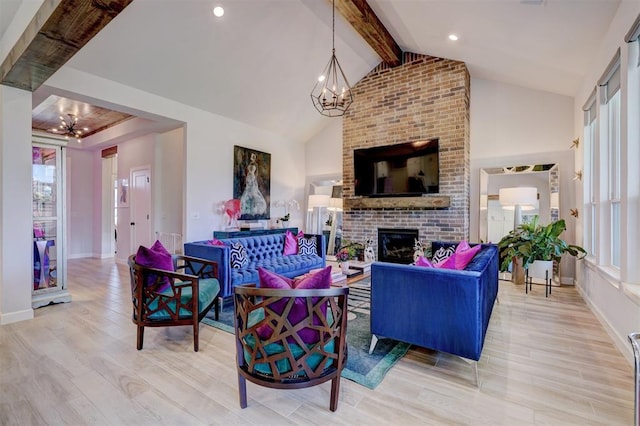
[315, 205]
[518, 199]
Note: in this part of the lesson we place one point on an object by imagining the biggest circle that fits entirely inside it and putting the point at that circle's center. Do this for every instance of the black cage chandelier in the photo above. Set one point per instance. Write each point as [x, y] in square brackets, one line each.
[331, 94]
[67, 127]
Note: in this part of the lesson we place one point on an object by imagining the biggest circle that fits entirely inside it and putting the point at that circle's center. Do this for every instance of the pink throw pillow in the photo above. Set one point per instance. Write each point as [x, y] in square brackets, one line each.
[423, 261]
[460, 259]
[316, 280]
[290, 243]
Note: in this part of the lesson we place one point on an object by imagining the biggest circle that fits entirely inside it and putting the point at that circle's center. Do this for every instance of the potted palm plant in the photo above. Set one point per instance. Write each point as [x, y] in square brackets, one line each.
[534, 243]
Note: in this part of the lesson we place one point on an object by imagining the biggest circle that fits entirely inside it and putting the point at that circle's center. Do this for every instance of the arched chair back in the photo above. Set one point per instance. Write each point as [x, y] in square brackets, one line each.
[277, 347]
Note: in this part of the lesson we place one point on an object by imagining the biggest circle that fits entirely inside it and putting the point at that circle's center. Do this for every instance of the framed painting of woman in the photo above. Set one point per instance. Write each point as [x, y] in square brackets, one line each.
[252, 182]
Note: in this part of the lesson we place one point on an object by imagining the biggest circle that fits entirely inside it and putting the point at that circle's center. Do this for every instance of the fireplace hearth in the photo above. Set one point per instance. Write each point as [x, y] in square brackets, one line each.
[396, 245]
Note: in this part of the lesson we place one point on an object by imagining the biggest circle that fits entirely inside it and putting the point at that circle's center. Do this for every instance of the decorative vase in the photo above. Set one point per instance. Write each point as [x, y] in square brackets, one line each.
[285, 223]
[344, 266]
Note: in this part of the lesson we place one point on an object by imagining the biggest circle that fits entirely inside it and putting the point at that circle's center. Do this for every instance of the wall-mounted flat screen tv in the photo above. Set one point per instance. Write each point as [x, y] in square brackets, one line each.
[406, 169]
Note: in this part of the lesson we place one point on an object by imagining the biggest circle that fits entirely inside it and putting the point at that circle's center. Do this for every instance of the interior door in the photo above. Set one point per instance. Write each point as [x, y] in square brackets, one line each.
[140, 193]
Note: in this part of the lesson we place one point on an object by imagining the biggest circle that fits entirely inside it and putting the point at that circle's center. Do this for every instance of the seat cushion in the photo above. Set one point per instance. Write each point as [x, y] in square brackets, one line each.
[209, 289]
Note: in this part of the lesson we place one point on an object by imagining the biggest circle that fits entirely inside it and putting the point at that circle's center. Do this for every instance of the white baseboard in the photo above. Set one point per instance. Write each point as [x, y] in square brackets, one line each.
[79, 255]
[9, 318]
[621, 343]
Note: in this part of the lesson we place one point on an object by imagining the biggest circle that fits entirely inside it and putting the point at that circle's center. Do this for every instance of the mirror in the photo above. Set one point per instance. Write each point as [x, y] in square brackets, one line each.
[324, 212]
[496, 220]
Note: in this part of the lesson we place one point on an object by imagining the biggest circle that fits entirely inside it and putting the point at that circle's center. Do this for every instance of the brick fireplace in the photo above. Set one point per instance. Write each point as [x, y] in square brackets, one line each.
[424, 98]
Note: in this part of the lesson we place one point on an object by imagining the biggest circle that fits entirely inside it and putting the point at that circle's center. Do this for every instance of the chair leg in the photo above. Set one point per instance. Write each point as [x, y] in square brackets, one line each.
[335, 393]
[196, 328]
[242, 391]
[374, 341]
[140, 336]
[217, 307]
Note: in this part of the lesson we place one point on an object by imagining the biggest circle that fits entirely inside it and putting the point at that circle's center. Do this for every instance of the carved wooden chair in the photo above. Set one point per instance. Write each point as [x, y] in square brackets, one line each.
[284, 360]
[164, 298]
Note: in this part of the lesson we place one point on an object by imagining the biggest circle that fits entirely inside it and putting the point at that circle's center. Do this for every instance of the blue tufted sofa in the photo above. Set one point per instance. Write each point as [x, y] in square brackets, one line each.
[442, 309]
[262, 251]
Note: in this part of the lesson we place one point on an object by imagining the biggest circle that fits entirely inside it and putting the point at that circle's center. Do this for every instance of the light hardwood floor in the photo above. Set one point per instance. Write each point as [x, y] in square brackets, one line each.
[545, 361]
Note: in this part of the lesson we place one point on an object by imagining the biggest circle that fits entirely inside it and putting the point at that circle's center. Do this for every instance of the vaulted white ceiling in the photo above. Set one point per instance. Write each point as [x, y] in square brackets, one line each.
[258, 63]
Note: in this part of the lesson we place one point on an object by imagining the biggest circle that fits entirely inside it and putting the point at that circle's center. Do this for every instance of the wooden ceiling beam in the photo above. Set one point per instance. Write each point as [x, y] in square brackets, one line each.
[58, 30]
[364, 20]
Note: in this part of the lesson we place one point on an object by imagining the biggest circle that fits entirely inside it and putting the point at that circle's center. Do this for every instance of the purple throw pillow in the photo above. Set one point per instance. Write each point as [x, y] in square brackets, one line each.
[157, 257]
[423, 261]
[290, 243]
[317, 280]
[216, 242]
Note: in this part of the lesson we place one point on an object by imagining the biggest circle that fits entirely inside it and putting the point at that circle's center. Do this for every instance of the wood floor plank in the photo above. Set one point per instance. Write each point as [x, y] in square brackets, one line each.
[545, 361]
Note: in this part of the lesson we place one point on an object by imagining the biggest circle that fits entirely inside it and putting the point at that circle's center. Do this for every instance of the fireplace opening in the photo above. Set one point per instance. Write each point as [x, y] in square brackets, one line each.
[396, 245]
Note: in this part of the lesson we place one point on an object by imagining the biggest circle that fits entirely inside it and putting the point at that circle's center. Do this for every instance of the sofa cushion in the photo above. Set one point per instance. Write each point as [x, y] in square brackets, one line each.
[238, 255]
[156, 256]
[307, 245]
[316, 280]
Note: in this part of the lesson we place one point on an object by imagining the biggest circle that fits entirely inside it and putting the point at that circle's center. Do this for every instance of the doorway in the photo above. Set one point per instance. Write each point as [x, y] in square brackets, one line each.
[140, 193]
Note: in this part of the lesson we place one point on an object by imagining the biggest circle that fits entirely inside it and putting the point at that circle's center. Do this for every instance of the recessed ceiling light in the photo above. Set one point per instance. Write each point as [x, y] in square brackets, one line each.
[453, 37]
[218, 11]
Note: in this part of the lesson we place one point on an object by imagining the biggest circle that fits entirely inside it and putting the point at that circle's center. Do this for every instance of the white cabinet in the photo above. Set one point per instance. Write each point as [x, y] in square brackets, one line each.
[48, 196]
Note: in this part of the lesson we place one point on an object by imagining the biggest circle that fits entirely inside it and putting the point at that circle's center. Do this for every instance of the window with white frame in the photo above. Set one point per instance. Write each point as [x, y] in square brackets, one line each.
[590, 150]
[611, 172]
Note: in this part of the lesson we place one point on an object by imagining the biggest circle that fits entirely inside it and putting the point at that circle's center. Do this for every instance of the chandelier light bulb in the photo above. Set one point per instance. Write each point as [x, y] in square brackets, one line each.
[218, 11]
[321, 78]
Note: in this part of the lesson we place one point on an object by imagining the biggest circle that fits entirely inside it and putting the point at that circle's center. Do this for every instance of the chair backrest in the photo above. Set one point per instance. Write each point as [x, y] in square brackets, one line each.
[157, 298]
[298, 363]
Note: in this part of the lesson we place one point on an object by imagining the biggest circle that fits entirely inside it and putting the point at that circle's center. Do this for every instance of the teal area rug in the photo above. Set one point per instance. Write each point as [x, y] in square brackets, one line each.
[362, 368]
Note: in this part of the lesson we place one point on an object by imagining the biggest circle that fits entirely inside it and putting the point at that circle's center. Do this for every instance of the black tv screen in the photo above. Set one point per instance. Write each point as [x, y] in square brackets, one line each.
[406, 169]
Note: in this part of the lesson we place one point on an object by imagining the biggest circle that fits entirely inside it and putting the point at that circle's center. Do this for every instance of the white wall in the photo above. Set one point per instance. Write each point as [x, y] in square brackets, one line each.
[16, 225]
[168, 181]
[80, 192]
[324, 151]
[615, 299]
[508, 120]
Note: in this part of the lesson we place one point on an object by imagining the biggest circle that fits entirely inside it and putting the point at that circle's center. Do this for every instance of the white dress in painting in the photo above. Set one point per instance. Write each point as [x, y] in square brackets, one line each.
[252, 201]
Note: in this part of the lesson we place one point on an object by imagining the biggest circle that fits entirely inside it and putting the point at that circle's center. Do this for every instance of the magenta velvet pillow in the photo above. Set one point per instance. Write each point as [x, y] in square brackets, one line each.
[157, 257]
[216, 242]
[291, 243]
[423, 261]
[465, 256]
[317, 280]
[461, 257]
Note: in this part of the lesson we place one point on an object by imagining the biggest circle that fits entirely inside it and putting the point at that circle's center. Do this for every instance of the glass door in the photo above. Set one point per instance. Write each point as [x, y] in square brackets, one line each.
[48, 241]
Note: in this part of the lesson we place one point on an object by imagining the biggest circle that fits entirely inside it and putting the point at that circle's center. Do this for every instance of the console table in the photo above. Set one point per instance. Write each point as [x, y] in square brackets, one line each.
[252, 232]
